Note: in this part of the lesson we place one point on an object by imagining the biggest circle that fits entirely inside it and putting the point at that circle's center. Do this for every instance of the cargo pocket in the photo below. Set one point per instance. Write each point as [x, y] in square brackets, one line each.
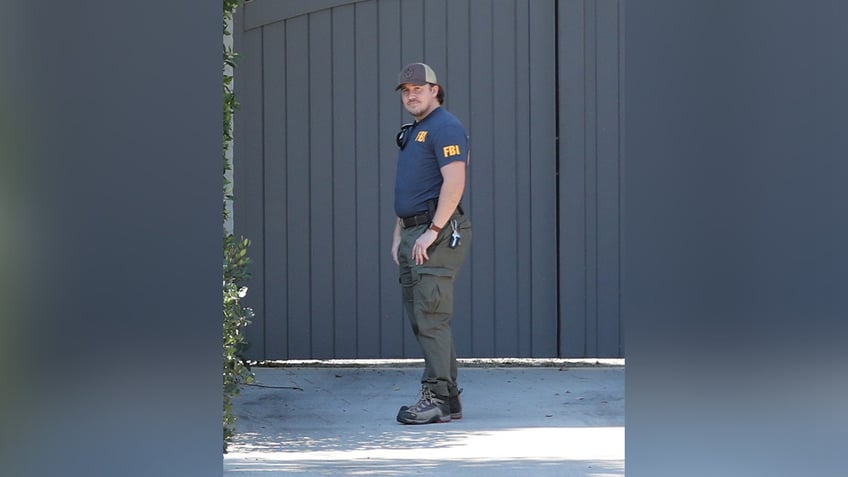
[434, 290]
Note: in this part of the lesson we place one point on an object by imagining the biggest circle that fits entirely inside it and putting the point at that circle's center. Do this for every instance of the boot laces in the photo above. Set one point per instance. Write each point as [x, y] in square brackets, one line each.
[427, 398]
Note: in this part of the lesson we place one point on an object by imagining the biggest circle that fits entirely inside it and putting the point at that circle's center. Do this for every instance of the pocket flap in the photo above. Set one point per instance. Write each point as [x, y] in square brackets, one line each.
[437, 271]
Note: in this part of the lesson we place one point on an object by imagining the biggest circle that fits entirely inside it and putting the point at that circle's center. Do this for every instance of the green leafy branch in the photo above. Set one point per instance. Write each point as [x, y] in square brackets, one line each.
[236, 262]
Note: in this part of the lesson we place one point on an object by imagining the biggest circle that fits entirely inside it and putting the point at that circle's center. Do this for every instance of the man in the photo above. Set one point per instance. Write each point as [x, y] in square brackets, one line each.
[431, 237]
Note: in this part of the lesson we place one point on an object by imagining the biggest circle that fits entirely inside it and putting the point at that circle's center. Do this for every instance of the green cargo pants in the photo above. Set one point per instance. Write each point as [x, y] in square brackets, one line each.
[428, 300]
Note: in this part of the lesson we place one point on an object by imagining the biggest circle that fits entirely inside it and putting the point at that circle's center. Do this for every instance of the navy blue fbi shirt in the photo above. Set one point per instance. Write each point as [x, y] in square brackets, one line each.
[436, 141]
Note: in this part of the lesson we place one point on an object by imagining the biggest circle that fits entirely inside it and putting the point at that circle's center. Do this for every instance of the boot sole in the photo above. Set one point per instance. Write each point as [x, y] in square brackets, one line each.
[454, 415]
[403, 419]
[433, 420]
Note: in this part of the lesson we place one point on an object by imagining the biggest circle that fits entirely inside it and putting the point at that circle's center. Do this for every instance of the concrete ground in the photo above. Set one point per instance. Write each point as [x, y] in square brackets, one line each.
[561, 418]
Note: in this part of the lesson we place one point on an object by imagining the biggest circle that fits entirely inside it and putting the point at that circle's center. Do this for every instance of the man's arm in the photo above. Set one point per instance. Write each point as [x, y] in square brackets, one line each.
[449, 196]
[396, 241]
[451, 192]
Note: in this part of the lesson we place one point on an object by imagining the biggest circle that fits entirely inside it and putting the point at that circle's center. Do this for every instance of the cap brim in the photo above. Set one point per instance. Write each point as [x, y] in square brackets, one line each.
[416, 83]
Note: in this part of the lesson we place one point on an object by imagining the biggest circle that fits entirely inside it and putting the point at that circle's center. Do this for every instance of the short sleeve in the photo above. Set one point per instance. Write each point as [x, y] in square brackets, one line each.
[450, 143]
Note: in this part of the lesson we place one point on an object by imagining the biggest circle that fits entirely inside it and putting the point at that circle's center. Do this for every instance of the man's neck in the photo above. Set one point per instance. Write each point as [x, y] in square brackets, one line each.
[421, 117]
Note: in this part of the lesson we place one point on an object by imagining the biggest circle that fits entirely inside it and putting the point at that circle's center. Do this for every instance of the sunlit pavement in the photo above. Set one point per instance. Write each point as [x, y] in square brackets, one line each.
[561, 419]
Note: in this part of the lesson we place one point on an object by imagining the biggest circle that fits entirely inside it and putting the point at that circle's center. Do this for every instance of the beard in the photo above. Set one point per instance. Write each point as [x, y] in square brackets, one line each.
[417, 108]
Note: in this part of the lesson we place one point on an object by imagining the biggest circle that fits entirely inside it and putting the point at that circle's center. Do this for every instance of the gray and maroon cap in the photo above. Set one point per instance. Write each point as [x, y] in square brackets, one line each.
[418, 74]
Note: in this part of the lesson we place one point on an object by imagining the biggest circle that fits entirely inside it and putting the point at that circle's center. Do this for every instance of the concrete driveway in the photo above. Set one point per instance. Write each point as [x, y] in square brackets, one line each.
[529, 418]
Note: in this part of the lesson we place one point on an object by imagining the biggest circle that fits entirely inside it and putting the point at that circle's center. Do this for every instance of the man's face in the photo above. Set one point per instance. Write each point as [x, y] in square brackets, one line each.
[419, 100]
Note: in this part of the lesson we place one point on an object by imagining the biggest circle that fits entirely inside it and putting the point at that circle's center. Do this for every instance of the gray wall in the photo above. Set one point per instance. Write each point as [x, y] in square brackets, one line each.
[538, 85]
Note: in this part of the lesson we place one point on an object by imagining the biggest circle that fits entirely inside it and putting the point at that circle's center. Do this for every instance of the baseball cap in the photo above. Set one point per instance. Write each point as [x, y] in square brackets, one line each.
[417, 74]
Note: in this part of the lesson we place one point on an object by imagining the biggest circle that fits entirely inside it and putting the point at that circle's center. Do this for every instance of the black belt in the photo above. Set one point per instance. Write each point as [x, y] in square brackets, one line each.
[407, 222]
[422, 219]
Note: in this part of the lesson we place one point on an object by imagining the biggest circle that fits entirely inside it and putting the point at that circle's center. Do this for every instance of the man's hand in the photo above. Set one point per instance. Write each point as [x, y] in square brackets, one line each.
[419, 250]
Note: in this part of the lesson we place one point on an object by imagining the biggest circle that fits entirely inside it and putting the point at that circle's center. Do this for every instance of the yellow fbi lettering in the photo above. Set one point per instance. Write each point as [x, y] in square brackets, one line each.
[449, 151]
[421, 136]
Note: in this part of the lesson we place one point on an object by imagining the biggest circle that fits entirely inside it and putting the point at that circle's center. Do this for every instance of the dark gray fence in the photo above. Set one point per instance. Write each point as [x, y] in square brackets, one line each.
[538, 85]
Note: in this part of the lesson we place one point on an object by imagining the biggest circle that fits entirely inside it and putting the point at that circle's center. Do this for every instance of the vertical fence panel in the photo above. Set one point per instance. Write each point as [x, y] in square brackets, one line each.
[320, 159]
[435, 36]
[298, 265]
[505, 192]
[609, 166]
[590, 119]
[275, 162]
[480, 127]
[343, 133]
[369, 248]
[572, 178]
[523, 159]
[543, 187]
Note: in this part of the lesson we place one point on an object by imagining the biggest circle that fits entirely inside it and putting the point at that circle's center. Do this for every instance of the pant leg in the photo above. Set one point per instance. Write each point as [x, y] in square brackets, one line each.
[408, 279]
[409, 309]
[429, 289]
